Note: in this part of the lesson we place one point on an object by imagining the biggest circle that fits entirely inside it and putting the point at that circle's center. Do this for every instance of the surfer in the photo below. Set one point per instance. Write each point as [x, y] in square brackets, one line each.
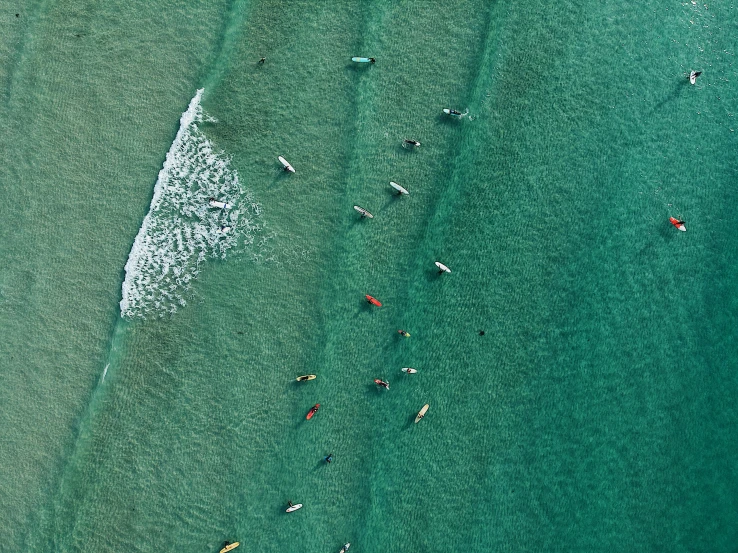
[403, 333]
[329, 458]
[693, 76]
[382, 383]
[372, 60]
[262, 60]
[678, 224]
[289, 504]
[481, 332]
[408, 142]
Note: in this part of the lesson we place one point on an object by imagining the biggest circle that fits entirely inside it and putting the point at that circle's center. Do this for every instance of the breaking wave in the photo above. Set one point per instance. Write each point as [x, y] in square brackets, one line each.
[181, 229]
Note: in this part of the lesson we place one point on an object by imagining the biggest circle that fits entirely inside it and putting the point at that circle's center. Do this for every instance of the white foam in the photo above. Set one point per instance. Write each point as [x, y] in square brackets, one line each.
[180, 230]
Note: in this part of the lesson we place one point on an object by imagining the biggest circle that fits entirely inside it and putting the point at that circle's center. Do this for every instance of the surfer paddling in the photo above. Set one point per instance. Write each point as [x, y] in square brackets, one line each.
[678, 223]
[381, 383]
[411, 143]
[404, 333]
[693, 76]
[442, 268]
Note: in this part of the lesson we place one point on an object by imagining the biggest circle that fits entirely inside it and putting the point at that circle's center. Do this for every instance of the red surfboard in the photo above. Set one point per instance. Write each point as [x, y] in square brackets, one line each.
[373, 301]
[312, 411]
[678, 224]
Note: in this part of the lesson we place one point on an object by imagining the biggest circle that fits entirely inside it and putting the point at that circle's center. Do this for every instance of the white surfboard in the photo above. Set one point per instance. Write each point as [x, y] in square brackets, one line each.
[421, 414]
[442, 267]
[364, 212]
[399, 188]
[286, 164]
[220, 205]
[453, 112]
[408, 370]
[692, 77]
[294, 508]
[358, 59]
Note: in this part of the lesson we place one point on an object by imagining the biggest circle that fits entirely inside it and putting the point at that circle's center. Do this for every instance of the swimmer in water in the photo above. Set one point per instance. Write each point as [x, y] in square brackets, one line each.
[408, 142]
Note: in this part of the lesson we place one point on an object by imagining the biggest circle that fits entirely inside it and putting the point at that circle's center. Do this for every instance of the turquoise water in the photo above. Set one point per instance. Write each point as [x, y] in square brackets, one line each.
[596, 413]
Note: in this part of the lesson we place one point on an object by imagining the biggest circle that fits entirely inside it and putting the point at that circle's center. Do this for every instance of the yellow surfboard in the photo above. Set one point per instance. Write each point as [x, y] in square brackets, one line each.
[305, 377]
[229, 547]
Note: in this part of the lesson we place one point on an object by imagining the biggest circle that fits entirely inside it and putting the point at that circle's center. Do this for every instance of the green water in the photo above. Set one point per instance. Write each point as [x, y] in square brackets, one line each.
[597, 411]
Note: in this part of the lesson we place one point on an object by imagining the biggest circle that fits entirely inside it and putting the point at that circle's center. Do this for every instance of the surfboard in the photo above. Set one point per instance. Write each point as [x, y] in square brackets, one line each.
[294, 508]
[286, 164]
[406, 334]
[442, 267]
[677, 224]
[363, 212]
[345, 548]
[408, 370]
[692, 77]
[453, 113]
[229, 547]
[306, 377]
[220, 205]
[312, 411]
[373, 301]
[399, 188]
[360, 60]
[421, 414]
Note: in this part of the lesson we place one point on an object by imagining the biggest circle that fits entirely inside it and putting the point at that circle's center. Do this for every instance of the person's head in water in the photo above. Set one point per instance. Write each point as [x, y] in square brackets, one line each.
[481, 332]
[372, 60]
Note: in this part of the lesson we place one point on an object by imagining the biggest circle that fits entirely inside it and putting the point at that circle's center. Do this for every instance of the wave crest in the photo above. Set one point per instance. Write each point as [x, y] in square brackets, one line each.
[181, 229]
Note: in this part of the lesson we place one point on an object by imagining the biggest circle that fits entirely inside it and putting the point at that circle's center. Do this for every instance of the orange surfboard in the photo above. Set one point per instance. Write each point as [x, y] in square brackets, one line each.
[312, 411]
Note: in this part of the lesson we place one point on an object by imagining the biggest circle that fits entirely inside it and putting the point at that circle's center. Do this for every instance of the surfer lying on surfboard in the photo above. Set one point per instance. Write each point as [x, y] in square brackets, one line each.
[407, 142]
[381, 383]
[678, 223]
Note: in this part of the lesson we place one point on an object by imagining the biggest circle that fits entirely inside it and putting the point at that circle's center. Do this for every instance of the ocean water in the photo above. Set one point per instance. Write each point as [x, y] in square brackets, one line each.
[148, 388]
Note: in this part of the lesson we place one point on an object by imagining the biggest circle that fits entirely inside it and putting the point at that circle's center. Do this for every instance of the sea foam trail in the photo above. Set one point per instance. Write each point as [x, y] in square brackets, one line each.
[181, 230]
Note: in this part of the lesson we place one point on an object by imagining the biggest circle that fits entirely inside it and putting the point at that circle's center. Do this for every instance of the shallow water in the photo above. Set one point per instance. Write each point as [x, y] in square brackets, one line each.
[596, 411]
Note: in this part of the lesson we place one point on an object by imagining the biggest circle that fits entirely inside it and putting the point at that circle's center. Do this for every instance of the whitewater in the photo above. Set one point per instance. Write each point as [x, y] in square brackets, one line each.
[182, 229]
